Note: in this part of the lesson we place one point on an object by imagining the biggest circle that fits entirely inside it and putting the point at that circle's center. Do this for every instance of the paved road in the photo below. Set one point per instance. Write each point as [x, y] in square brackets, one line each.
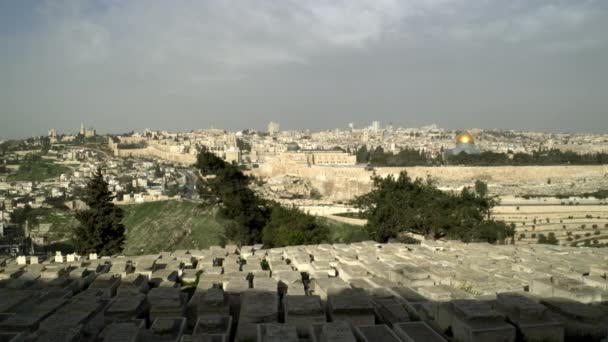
[191, 179]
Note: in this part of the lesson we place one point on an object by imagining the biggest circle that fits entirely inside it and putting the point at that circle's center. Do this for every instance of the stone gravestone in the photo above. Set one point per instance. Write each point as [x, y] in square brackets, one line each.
[417, 331]
[532, 318]
[274, 332]
[256, 307]
[476, 321]
[302, 311]
[373, 333]
[332, 332]
[356, 309]
[58, 257]
[33, 260]
[93, 256]
[21, 260]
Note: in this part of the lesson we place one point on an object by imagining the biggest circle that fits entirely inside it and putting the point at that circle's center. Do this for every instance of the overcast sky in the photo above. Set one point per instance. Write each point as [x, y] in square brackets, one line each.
[121, 65]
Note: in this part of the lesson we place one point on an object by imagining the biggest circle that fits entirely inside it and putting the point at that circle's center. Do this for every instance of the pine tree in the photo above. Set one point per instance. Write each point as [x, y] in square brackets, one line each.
[100, 229]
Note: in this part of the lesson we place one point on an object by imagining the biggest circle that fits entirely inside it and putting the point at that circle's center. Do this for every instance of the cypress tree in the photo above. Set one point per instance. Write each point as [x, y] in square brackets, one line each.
[100, 229]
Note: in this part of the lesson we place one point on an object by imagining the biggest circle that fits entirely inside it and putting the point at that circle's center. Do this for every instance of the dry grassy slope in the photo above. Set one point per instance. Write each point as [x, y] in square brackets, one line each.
[170, 225]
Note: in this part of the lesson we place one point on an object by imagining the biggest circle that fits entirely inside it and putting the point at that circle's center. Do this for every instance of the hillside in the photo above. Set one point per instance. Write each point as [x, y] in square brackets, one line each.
[170, 225]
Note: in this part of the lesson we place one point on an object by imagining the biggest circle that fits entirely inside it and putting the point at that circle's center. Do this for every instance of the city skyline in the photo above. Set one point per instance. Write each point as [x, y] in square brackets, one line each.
[121, 66]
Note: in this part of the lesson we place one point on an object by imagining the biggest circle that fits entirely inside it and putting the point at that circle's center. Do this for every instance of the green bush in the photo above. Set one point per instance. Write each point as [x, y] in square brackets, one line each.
[290, 226]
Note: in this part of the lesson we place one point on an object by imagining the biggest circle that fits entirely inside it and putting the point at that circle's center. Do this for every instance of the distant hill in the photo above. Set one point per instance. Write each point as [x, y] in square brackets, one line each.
[170, 225]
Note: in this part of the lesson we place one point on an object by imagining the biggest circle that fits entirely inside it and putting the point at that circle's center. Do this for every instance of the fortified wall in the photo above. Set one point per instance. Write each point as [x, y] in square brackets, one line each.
[343, 183]
[156, 152]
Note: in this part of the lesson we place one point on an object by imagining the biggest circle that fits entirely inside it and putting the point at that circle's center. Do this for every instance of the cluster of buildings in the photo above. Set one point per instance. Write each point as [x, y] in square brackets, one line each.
[342, 292]
[253, 147]
[130, 180]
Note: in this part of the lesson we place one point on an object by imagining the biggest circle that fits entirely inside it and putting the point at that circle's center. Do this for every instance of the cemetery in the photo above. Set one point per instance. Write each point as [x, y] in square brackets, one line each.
[433, 291]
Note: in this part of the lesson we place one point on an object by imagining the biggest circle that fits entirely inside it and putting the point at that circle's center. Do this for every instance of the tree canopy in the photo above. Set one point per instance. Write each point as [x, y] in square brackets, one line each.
[398, 205]
[100, 229]
[254, 219]
[228, 186]
[290, 226]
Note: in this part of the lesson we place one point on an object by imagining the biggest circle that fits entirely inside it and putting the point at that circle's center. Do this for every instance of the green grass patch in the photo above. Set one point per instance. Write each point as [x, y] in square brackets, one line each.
[37, 171]
[340, 232]
[170, 225]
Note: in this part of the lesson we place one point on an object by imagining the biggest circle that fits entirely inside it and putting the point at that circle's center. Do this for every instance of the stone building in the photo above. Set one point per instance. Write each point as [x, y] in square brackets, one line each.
[464, 143]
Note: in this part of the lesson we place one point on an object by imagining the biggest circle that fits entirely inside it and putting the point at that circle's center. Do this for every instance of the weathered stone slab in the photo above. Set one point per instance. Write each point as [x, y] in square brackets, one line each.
[355, 309]
[213, 326]
[372, 333]
[107, 283]
[168, 329]
[234, 288]
[189, 275]
[256, 307]
[126, 306]
[472, 320]
[213, 303]
[417, 331]
[265, 284]
[580, 321]
[166, 302]
[531, 317]
[274, 332]
[28, 317]
[332, 332]
[302, 311]
[328, 286]
[124, 331]
[390, 310]
[348, 272]
[133, 283]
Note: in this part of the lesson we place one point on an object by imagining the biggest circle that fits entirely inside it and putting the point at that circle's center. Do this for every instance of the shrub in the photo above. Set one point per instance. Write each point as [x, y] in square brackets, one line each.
[587, 234]
[550, 240]
[597, 232]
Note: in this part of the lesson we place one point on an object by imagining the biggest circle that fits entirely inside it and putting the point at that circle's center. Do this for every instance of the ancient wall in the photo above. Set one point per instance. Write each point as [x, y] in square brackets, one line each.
[342, 183]
[153, 151]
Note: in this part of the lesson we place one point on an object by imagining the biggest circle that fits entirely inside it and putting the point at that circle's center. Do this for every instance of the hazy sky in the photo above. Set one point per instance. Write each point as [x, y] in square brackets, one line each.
[120, 65]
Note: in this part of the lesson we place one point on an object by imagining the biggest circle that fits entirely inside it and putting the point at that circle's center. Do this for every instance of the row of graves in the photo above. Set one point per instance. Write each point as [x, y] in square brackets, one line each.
[323, 293]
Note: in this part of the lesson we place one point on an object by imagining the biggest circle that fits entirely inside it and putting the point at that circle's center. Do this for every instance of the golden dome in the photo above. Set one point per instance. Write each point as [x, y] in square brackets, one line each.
[465, 138]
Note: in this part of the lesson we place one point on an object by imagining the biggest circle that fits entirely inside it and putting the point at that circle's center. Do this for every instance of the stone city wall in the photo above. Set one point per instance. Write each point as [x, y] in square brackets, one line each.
[343, 183]
[156, 152]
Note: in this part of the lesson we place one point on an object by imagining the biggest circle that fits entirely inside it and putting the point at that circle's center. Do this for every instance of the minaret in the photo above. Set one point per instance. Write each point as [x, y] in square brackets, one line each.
[82, 129]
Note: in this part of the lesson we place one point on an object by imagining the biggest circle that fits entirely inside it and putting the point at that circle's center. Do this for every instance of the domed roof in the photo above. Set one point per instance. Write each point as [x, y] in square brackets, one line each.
[293, 147]
[465, 137]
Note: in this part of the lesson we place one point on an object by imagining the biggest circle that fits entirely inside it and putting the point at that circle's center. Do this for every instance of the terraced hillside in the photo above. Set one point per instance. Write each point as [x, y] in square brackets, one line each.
[585, 225]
